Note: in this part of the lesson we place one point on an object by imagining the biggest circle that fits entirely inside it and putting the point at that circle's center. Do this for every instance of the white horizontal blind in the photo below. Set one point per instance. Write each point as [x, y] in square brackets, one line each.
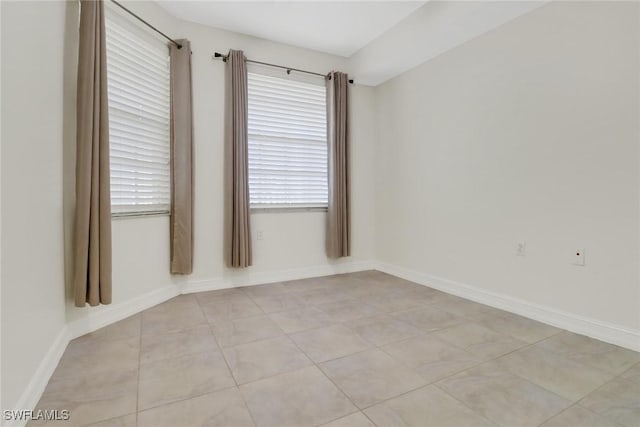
[287, 142]
[138, 92]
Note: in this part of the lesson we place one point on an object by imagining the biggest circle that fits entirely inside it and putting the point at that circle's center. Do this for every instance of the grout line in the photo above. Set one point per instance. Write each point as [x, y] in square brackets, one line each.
[368, 418]
[465, 405]
[557, 413]
[95, 423]
[340, 417]
[317, 366]
[220, 348]
[182, 399]
[246, 405]
[597, 413]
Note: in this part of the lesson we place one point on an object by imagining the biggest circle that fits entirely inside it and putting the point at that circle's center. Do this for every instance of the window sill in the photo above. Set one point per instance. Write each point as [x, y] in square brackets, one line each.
[286, 209]
[133, 215]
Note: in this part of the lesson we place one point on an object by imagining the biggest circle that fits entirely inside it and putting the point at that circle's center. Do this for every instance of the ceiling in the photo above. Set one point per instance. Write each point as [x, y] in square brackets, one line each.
[335, 27]
[381, 39]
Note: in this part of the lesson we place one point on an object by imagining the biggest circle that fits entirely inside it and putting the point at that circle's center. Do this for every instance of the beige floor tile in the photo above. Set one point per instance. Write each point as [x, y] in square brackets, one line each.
[94, 398]
[323, 295]
[618, 400]
[183, 377]
[432, 358]
[266, 290]
[233, 307]
[262, 359]
[478, 340]
[354, 420]
[371, 376]
[179, 313]
[220, 409]
[220, 295]
[427, 406]
[428, 295]
[304, 285]
[388, 301]
[359, 288]
[466, 308]
[422, 294]
[125, 421]
[577, 416]
[126, 328]
[389, 279]
[91, 357]
[502, 397]
[176, 344]
[518, 327]
[565, 377]
[329, 342]
[279, 302]
[591, 352]
[232, 332]
[632, 374]
[300, 398]
[382, 329]
[367, 274]
[300, 319]
[346, 310]
[429, 318]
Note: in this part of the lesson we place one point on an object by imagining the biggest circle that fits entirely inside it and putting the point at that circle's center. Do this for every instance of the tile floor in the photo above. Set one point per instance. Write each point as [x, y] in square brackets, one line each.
[362, 349]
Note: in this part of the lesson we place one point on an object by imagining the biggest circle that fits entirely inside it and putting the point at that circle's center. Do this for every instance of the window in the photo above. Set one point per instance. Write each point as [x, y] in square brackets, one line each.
[287, 142]
[138, 92]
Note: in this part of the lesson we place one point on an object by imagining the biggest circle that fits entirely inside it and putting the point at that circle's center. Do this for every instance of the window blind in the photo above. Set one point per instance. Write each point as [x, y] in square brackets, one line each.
[287, 134]
[139, 96]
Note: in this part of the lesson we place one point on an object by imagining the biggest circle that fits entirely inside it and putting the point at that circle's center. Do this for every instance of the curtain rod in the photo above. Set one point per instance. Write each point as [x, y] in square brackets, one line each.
[289, 69]
[178, 45]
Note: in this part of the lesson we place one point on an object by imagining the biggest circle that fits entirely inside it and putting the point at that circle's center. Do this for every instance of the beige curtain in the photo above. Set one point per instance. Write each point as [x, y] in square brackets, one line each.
[92, 251]
[237, 228]
[338, 214]
[181, 224]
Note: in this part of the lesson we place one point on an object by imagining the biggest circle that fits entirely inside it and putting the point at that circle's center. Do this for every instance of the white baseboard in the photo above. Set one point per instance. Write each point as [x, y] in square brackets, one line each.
[94, 319]
[32, 393]
[603, 331]
[247, 278]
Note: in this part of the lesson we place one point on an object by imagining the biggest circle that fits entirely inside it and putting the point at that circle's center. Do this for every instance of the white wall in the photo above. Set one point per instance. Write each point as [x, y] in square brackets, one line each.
[33, 312]
[293, 240]
[527, 133]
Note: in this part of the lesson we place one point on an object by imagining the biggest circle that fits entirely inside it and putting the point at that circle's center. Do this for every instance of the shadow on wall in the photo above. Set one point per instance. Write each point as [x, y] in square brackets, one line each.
[69, 84]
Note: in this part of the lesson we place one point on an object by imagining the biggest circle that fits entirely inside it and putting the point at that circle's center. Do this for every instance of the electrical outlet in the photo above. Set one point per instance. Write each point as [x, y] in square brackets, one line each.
[521, 249]
[260, 235]
[578, 257]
